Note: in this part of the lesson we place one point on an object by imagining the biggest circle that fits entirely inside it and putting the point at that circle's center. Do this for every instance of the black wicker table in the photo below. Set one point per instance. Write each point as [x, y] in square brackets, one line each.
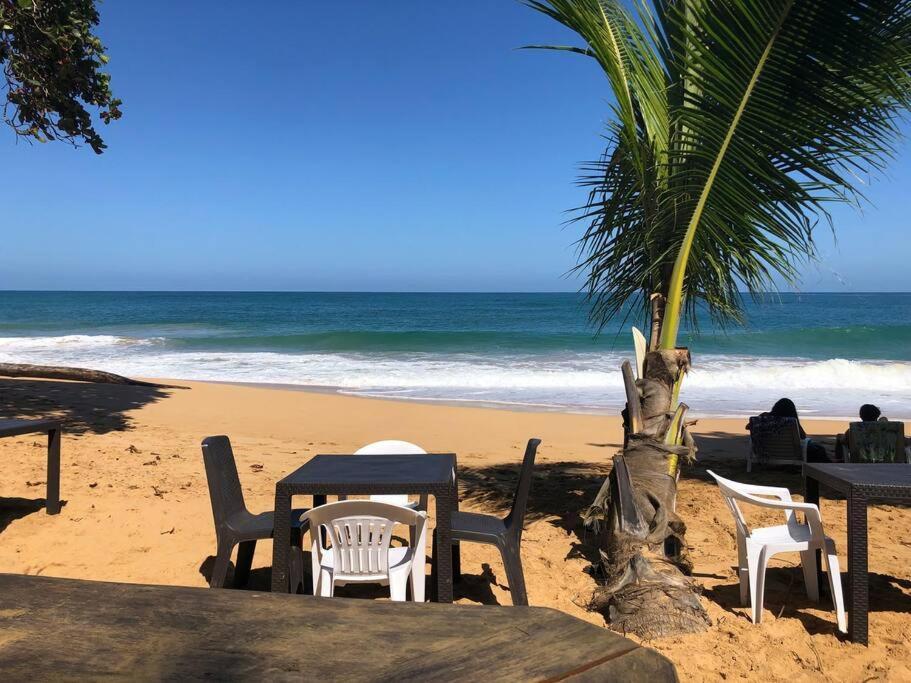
[65, 629]
[53, 429]
[433, 474]
[860, 483]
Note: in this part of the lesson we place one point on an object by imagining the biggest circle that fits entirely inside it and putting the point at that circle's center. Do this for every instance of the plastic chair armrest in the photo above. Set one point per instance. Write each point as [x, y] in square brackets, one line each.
[779, 492]
[786, 504]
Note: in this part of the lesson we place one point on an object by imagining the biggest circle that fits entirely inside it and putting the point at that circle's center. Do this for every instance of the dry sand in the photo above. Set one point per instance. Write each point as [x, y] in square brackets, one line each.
[137, 509]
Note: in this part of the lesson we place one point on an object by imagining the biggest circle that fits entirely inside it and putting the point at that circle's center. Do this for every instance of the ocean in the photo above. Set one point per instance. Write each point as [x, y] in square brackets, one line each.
[828, 352]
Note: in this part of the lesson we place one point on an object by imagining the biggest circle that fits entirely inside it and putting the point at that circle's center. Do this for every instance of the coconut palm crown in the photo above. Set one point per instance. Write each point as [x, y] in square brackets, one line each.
[735, 124]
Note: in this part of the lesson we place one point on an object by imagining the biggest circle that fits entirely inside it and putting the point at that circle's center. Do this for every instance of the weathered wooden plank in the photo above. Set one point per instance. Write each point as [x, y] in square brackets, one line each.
[61, 628]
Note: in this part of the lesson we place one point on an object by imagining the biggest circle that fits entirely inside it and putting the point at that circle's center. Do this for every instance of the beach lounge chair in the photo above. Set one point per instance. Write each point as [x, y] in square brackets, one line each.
[361, 531]
[506, 533]
[234, 524]
[775, 441]
[876, 442]
[755, 547]
[394, 447]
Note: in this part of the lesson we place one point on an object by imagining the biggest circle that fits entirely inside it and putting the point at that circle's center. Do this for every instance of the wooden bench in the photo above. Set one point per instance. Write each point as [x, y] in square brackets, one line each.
[64, 628]
[53, 429]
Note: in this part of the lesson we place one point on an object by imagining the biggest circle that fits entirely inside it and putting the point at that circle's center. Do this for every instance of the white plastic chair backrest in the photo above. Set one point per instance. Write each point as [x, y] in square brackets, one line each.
[390, 447]
[361, 531]
[778, 497]
[640, 345]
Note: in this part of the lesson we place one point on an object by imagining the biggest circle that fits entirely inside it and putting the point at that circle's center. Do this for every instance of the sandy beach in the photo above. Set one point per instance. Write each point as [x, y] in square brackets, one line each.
[137, 509]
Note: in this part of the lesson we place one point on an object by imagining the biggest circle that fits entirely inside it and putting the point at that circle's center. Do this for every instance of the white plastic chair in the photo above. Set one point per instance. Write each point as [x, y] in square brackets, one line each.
[361, 531]
[755, 547]
[394, 447]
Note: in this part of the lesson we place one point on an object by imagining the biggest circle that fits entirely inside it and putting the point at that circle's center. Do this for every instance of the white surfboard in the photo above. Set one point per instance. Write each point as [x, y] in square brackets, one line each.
[641, 345]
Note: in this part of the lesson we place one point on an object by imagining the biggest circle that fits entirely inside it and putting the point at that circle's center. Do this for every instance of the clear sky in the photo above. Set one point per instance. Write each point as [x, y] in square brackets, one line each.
[354, 145]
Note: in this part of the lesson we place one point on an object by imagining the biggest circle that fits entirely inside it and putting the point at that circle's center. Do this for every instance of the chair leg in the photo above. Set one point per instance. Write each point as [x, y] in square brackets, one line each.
[753, 575]
[514, 574]
[810, 576]
[456, 561]
[245, 550]
[222, 560]
[326, 584]
[433, 565]
[297, 570]
[758, 563]
[398, 586]
[834, 571]
[743, 572]
[418, 577]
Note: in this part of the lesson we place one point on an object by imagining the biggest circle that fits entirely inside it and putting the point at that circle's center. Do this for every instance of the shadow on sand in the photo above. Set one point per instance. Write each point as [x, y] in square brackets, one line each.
[725, 454]
[12, 509]
[786, 597]
[559, 493]
[474, 587]
[84, 407]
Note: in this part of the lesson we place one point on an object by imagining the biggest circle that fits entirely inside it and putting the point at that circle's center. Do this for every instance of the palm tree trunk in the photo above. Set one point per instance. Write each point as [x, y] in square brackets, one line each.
[644, 588]
[74, 375]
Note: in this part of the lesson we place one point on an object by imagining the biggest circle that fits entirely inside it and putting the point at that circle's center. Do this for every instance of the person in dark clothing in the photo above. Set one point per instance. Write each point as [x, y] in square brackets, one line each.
[784, 407]
[869, 413]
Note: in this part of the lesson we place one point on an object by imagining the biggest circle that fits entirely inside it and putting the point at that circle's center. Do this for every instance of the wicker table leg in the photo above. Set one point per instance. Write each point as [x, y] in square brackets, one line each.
[281, 543]
[442, 561]
[53, 472]
[858, 582]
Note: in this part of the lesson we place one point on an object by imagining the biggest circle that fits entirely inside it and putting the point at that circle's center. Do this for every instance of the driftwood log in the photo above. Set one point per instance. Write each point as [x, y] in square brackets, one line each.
[74, 375]
[643, 570]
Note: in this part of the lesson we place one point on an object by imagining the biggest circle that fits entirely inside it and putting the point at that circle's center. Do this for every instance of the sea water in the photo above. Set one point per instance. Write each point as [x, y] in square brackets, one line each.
[828, 352]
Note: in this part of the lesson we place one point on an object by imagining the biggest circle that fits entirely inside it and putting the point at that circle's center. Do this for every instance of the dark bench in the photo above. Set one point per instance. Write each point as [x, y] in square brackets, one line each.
[53, 429]
[53, 628]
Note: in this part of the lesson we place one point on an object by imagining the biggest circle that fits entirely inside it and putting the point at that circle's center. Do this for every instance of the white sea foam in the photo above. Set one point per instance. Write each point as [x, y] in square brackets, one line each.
[569, 381]
[77, 343]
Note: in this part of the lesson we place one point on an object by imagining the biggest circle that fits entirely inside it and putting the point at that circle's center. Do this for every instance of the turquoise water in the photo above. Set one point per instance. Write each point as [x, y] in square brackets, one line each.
[831, 351]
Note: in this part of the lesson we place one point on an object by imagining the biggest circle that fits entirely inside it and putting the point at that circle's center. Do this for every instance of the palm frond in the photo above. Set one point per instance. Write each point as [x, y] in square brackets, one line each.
[737, 123]
[785, 103]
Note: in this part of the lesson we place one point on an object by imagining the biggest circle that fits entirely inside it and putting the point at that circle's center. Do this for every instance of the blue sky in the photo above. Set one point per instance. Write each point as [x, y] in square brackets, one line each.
[345, 146]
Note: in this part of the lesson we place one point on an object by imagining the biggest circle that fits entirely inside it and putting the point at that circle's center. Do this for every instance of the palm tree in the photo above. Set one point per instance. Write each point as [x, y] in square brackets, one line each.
[735, 124]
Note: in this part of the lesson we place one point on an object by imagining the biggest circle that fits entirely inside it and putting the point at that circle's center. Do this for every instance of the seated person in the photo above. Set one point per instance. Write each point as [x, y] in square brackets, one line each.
[785, 408]
[867, 413]
[870, 413]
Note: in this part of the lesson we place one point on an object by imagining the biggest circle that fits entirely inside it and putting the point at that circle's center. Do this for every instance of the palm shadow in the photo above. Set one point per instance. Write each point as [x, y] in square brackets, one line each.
[84, 407]
[560, 492]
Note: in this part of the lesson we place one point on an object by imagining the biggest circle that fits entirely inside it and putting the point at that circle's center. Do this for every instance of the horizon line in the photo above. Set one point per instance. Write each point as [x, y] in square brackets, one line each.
[391, 291]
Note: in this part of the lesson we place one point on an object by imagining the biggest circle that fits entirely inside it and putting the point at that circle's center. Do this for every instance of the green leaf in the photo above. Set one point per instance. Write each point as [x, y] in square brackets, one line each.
[735, 124]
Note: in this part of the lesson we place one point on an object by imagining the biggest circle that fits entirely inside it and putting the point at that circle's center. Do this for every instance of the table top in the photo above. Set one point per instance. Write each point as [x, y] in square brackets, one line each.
[887, 479]
[56, 628]
[366, 473]
[17, 427]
